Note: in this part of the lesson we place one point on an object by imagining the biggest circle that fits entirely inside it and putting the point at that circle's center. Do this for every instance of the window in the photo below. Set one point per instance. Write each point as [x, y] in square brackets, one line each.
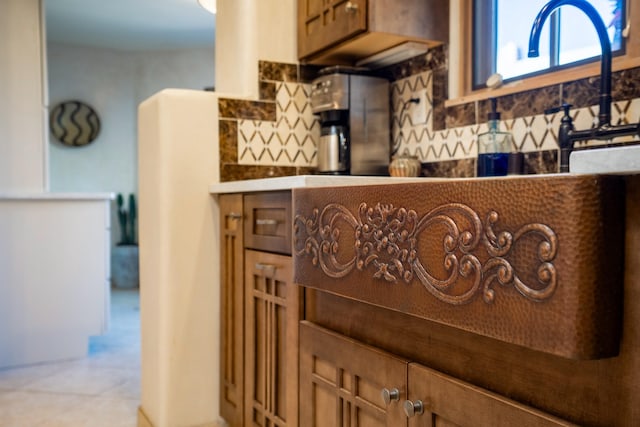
[501, 31]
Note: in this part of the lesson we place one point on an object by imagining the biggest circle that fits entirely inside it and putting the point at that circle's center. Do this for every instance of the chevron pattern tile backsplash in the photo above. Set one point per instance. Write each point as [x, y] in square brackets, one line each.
[531, 133]
[277, 135]
[290, 140]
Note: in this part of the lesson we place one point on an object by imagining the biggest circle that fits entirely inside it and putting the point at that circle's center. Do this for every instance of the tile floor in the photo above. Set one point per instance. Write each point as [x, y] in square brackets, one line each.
[101, 390]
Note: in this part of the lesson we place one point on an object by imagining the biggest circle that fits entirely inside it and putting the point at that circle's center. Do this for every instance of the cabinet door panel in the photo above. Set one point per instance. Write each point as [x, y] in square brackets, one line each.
[341, 381]
[449, 402]
[271, 340]
[231, 310]
[324, 23]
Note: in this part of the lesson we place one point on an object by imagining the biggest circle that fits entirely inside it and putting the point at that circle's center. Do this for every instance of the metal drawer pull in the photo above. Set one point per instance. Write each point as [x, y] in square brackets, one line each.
[390, 395]
[351, 7]
[234, 215]
[267, 222]
[263, 266]
[412, 409]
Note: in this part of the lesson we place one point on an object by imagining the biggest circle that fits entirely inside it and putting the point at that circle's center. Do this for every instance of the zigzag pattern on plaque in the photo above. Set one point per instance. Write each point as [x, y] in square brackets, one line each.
[289, 141]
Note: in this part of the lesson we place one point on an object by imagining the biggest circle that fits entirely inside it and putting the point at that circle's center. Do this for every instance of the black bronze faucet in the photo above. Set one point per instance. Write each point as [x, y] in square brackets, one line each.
[567, 135]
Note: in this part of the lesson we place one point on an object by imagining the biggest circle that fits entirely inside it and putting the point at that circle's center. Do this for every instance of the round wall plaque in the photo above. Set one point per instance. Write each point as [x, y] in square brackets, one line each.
[74, 123]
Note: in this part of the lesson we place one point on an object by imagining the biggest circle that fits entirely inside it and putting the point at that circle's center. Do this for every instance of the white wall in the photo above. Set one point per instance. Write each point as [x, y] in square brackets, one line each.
[22, 97]
[114, 82]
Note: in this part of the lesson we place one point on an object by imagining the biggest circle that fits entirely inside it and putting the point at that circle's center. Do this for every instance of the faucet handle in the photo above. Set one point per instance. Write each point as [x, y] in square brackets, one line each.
[564, 107]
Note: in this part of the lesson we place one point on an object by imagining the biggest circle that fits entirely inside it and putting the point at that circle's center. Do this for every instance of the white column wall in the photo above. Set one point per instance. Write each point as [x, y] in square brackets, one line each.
[179, 299]
[248, 31]
[179, 238]
[23, 155]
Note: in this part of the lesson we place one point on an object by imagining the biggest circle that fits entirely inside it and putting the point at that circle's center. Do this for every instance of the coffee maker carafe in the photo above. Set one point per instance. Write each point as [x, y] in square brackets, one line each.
[333, 148]
[354, 122]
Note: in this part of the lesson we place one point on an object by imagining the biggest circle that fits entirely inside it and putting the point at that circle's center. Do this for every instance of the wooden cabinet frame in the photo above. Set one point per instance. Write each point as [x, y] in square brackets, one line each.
[260, 310]
[231, 309]
[271, 340]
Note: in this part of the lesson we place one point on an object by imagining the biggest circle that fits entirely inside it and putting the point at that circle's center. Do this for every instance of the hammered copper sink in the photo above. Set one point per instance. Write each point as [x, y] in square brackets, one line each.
[534, 261]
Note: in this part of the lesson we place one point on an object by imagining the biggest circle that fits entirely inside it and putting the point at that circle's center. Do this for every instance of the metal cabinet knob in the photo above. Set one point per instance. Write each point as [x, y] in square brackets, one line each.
[351, 7]
[390, 395]
[234, 215]
[413, 408]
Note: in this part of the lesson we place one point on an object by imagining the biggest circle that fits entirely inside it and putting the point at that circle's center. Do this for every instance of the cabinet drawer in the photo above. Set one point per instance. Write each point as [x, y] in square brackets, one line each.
[268, 222]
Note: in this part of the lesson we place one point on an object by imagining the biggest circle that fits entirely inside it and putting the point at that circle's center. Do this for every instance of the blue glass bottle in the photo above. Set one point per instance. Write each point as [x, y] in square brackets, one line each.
[494, 147]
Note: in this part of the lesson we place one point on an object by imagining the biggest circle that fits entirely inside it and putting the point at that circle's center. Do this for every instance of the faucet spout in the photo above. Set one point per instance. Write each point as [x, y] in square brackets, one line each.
[604, 116]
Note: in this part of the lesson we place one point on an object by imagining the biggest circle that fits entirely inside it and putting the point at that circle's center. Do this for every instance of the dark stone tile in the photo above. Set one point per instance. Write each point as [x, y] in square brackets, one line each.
[625, 84]
[465, 168]
[461, 115]
[234, 172]
[277, 71]
[248, 110]
[302, 170]
[267, 91]
[438, 57]
[228, 133]
[440, 92]
[541, 162]
[586, 92]
[528, 103]
[581, 93]
[435, 58]
[404, 69]
[307, 73]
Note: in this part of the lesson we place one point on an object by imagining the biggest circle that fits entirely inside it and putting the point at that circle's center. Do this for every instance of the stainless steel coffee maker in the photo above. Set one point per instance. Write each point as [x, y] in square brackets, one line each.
[354, 122]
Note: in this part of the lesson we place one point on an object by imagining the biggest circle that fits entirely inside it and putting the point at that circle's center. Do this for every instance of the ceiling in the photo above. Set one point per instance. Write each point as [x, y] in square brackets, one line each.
[130, 24]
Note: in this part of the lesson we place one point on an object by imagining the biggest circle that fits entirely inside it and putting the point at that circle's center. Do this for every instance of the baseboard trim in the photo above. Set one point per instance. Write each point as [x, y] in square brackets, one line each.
[143, 421]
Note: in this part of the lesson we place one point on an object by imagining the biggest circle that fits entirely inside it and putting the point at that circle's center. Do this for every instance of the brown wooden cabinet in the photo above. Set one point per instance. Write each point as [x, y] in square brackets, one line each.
[341, 31]
[344, 382]
[259, 313]
[352, 346]
[341, 381]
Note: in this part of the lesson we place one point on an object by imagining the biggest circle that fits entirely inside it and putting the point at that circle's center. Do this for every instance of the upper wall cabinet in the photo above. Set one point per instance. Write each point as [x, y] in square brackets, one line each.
[341, 31]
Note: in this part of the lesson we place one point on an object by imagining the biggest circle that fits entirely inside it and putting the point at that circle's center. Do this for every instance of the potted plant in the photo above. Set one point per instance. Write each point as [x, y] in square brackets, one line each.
[124, 257]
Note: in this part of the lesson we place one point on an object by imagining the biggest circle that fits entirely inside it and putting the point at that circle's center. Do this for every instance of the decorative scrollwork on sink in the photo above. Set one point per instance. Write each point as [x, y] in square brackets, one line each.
[386, 240]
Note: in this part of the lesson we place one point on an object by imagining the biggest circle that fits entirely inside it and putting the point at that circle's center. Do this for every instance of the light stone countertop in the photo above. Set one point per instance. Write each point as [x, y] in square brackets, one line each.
[613, 160]
[302, 181]
[618, 160]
